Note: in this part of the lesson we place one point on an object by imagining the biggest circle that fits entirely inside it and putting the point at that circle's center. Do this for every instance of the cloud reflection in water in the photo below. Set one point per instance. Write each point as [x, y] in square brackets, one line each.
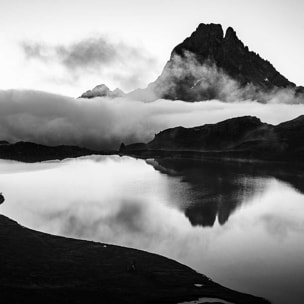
[240, 223]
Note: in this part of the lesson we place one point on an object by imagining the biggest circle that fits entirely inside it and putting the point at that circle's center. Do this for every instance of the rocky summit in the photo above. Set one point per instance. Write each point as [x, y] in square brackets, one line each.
[212, 64]
[228, 52]
[102, 91]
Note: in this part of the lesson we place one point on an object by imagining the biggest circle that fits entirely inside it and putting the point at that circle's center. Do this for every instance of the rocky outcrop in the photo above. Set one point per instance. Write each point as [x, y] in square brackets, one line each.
[42, 268]
[228, 52]
[224, 135]
[211, 64]
[245, 137]
[102, 91]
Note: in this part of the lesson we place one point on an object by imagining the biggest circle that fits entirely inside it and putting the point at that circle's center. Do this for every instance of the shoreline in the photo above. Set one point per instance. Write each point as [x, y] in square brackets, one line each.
[41, 267]
[31, 153]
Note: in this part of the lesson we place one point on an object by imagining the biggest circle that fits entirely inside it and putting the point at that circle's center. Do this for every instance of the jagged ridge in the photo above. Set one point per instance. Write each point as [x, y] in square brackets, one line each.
[208, 42]
[230, 63]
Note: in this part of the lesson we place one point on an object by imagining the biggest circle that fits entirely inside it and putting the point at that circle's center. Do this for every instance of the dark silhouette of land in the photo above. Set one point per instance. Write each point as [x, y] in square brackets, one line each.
[40, 268]
[241, 137]
[32, 152]
[208, 45]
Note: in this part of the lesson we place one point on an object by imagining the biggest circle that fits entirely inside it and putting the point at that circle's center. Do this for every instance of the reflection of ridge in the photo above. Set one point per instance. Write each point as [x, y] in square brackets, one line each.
[218, 188]
[204, 212]
[226, 197]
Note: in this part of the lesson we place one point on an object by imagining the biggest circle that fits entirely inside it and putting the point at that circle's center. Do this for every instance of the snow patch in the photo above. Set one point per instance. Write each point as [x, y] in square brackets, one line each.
[207, 300]
[198, 285]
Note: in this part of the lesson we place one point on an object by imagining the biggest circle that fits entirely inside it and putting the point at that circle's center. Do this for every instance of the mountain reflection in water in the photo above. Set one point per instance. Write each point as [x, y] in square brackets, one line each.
[218, 188]
[240, 223]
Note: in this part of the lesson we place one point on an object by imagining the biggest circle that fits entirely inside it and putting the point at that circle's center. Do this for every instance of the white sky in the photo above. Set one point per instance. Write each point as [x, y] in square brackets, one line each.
[274, 29]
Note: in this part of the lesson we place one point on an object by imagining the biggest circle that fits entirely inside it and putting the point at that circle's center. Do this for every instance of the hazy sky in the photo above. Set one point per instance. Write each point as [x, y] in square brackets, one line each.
[68, 46]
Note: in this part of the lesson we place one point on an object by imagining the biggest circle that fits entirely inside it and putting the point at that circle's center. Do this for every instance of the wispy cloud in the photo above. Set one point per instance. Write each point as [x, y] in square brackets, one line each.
[124, 63]
[34, 50]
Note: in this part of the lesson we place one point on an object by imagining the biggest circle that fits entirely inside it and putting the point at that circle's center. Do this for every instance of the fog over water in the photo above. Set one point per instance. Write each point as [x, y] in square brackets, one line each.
[103, 123]
[241, 224]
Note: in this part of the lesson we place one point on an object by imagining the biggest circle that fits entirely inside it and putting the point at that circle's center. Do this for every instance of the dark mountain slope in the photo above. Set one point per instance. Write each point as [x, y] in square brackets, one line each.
[209, 65]
[244, 137]
[223, 135]
[228, 52]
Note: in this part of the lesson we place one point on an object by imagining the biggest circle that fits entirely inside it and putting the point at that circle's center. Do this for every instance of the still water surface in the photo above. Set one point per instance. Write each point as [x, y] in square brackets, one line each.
[242, 224]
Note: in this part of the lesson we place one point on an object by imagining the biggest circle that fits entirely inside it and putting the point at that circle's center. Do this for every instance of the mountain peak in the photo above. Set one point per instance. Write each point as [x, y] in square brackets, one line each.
[230, 34]
[102, 90]
[213, 28]
[205, 38]
[216, 58]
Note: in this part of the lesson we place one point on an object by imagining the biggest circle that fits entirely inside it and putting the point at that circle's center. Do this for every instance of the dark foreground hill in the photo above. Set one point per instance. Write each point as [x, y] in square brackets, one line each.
[42, 268]
[244, 137]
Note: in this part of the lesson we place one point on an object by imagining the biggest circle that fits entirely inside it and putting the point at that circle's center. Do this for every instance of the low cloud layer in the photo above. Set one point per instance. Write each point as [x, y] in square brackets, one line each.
[104, 123]
[188, 79]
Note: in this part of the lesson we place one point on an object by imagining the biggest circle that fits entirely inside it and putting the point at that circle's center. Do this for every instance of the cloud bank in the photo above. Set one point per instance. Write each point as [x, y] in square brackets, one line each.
[104, 123]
